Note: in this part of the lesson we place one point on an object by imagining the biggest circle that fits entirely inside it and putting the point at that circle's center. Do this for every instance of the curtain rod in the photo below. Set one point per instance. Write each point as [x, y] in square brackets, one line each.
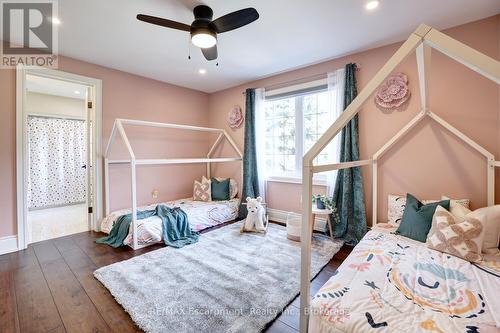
[299, 80]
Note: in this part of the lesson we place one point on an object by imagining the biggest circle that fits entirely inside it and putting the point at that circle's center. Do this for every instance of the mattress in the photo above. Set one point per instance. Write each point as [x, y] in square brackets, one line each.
[201, 215]
[390, 283]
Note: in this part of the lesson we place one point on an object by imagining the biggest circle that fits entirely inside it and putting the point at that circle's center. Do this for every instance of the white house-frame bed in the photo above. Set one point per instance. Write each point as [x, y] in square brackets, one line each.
[118, 126]
[420, 41]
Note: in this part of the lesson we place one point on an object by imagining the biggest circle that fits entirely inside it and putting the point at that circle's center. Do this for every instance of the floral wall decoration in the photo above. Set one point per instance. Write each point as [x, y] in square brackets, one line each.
[235, 117]
[393, 94]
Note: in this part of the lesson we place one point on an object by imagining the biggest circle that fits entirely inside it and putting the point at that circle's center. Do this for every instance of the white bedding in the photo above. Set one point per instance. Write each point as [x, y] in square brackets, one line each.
[201, 215]
[390, 283]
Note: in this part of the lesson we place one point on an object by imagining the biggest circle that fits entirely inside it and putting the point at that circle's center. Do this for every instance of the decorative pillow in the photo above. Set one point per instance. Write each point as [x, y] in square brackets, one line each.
[220, 189]
[396, 207]
[458, 207]
[490, 219]
[202, 191]
[462, 239]
[233, 187]
[417, 218]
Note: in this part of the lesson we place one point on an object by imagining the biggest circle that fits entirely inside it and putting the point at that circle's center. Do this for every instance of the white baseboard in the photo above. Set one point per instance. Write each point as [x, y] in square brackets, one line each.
[8, 244]
[279, 216]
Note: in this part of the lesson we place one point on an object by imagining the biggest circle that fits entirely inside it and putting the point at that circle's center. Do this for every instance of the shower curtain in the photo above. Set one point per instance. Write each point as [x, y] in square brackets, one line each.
[57, 161]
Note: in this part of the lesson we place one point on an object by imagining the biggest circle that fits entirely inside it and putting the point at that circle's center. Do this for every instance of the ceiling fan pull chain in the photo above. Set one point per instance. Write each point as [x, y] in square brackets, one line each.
[189, 49]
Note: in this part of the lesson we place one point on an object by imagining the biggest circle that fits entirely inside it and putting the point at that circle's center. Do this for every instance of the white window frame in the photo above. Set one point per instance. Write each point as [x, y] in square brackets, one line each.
[318, 179]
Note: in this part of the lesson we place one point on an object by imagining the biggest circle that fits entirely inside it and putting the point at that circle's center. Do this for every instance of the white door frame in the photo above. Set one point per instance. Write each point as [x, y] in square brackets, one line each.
[22, 137]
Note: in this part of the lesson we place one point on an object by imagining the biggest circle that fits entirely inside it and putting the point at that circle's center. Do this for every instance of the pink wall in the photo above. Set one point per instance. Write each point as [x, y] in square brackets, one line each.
[429, 161]
[497, 176]
[124, 96]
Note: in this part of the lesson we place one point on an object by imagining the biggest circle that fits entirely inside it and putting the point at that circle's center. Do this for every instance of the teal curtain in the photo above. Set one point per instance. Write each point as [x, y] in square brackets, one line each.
[250, 177]
[349, 194]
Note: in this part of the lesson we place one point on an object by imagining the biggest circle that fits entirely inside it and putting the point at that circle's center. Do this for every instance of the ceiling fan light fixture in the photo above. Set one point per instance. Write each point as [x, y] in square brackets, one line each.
[203, 38]
[372, 4]
[204, 29]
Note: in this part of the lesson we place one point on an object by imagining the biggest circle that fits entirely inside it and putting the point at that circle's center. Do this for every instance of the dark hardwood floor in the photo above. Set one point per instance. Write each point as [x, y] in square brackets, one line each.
[49, 287]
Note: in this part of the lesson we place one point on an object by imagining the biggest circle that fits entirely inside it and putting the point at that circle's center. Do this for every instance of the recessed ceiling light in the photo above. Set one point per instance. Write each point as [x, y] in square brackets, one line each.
[77, 92]
[202, 71]
[55, 20]
[372, 4]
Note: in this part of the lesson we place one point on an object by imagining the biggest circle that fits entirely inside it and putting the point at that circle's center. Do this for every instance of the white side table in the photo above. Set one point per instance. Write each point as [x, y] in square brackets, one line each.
[326, 212]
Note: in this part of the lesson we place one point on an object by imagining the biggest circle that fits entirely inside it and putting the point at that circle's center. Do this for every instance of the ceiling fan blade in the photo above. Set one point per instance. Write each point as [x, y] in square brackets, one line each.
[210, 53]
[235, 20]
[163, 22]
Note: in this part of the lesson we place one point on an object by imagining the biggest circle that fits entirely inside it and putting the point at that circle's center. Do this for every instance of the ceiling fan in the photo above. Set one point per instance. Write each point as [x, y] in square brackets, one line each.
[204, 30]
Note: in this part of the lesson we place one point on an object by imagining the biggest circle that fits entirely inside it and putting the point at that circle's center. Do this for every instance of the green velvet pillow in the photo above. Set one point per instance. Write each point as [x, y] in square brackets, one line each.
[220, 189]
[417, 218]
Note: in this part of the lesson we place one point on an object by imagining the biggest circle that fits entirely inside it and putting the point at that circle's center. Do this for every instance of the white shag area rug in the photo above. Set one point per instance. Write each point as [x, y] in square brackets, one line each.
[227, 282]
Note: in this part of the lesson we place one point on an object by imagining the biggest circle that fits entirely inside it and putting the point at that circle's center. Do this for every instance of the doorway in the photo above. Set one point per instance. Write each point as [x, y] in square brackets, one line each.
[58, 124]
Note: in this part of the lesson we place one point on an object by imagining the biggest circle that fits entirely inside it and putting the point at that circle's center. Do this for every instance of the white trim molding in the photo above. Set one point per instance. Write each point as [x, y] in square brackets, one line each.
[95, 116]
[8, 244]
[280, 216]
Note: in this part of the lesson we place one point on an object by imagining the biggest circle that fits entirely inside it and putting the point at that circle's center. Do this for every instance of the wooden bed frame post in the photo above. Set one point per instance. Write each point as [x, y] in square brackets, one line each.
[133, 179]
[134, 203]
[491, 181]
[305, 239]
[106, 186]
[408, 47]
[374, 192]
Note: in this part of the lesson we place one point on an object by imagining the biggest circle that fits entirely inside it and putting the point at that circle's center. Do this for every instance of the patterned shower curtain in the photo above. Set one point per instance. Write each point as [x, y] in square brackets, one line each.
[57, 161]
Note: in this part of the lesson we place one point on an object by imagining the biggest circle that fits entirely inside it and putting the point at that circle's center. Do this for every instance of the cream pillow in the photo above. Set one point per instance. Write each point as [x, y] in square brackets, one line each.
[462, 239]
[491, 223]
[202, 191]
[458, 207]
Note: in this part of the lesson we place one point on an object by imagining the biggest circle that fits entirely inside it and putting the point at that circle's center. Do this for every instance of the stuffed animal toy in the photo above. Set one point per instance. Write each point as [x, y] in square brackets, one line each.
[256, 219]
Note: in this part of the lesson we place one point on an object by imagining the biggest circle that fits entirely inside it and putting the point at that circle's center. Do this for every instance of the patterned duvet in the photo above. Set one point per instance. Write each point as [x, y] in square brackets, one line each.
[201, 215]
[390, 283]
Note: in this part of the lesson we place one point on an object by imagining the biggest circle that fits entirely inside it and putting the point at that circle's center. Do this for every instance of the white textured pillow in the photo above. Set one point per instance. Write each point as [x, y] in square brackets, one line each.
[233, 187]
[202, 191]
[491, 223]
[458, 207]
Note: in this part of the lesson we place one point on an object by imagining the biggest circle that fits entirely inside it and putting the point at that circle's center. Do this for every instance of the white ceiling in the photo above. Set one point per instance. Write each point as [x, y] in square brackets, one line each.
[289, 34]
[47, 86]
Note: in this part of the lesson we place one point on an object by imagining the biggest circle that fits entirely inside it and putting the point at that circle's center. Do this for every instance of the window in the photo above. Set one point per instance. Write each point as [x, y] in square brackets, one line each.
[294, 122]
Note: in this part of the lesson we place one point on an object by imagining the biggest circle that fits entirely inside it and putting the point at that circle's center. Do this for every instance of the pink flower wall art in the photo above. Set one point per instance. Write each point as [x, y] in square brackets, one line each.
[235, 117]
[393, 94]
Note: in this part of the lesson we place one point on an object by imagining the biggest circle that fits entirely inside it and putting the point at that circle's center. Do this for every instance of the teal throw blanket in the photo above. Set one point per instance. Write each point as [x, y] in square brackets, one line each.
[176, 230]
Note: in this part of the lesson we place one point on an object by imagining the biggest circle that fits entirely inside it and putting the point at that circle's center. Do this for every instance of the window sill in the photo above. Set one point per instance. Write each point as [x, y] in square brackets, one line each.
[295, 180]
